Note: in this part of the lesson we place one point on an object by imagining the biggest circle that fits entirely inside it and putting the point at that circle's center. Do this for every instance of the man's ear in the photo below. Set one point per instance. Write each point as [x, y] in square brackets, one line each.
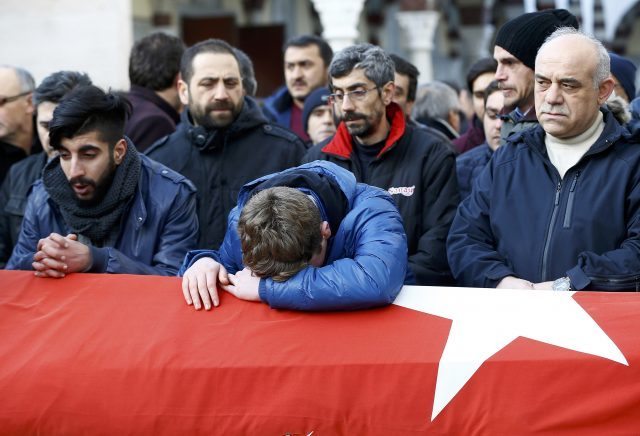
[183, 91]
[605, 89]
[387, 92]
[31, 108]
[325, 231]
[119, 151]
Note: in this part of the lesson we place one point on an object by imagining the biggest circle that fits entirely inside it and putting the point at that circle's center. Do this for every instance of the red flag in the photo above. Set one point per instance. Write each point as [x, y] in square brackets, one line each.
[111, 354]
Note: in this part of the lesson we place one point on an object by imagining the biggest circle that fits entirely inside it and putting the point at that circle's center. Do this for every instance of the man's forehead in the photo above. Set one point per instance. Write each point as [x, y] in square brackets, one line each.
[299, 54]
[83, 140]
[321, 108]
[9, 84]
[567, 50]
[401, 79]
[355, 77]
[495, 100]
[215, 65]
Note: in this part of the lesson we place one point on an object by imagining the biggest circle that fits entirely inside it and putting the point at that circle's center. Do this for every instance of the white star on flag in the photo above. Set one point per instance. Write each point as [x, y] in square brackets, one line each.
[487, 320]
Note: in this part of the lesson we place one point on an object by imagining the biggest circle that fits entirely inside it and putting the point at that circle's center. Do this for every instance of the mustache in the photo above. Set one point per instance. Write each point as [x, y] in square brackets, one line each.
[219, 105]
[81, 180]
[300, 82]
[554, 109]
[352, 116]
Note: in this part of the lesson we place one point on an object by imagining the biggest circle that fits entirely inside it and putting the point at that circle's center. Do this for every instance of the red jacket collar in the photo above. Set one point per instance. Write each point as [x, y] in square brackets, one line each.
[341, 143]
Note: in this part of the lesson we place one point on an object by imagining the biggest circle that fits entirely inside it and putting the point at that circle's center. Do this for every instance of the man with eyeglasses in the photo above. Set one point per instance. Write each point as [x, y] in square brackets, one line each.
[16, 117]
[374, 142]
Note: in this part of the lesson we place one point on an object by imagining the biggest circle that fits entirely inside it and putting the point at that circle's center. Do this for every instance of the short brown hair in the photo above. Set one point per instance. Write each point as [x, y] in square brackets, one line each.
[279, 231]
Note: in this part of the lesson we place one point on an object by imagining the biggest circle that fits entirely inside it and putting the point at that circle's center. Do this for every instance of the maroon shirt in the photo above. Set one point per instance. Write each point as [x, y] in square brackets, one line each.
[296, 123]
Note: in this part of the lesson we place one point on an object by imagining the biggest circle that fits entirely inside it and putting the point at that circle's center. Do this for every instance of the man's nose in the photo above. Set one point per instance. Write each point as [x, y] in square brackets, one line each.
[296, 73]
[220, 92]
[76, 169]
[501, 74]
[553, 96]
[347, 104]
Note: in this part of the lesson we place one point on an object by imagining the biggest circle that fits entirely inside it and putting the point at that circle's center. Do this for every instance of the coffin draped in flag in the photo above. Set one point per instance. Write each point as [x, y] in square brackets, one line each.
[118, 354]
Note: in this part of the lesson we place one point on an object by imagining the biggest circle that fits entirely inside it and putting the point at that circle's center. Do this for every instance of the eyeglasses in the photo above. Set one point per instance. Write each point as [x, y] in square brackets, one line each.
[357, 95]
[5, 100]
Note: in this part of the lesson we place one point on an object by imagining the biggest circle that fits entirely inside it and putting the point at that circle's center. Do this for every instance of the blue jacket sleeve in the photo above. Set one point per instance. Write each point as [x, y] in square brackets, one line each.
[179, 234]
[371, 276]
[471, 247]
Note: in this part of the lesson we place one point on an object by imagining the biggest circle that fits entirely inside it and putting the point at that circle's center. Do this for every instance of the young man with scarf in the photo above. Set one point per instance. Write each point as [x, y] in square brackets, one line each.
[308, 238]
[100, 206]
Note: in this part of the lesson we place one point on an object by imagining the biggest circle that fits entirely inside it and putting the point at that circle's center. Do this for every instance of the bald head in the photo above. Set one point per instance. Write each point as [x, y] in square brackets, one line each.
[571, 82]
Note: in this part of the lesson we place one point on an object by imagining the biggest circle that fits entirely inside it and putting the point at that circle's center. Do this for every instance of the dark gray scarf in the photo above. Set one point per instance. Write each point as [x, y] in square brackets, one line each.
[98, 220]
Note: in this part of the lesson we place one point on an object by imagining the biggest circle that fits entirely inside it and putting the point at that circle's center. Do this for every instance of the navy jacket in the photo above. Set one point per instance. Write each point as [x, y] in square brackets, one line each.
[469, 165]
[277, 107]
[156, 231]
[220, 161]
[418, 170]
[523, 220]
[366, 262]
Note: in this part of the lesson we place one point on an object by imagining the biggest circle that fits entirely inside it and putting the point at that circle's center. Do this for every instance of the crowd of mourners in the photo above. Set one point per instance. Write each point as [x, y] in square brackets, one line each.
[345, 184]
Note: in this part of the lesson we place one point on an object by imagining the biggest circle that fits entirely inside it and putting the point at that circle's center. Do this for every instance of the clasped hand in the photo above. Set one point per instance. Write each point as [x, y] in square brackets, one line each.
[59, 255]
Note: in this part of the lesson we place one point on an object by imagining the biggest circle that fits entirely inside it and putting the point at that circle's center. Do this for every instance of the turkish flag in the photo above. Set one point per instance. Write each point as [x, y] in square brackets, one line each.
[121, 354]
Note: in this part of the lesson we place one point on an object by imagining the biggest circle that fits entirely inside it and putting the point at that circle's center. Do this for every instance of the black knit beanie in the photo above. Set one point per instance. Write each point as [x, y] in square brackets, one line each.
[523, 35]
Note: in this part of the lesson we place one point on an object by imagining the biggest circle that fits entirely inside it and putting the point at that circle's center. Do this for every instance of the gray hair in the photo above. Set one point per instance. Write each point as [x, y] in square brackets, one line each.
[25, 79]
[435, 100]
[249, 81]
[603, 67]
[377, 65]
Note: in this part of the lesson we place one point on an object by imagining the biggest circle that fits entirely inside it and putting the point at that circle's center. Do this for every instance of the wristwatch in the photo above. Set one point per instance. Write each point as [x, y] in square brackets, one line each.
[561, 284]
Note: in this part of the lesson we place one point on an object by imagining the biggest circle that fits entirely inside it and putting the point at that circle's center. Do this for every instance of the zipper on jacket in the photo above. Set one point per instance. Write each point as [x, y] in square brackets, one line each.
[569, 209]
[629, 283]
[552, 222]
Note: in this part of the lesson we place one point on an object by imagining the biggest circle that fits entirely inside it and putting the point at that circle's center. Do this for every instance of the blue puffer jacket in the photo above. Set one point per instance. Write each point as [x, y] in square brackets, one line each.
[523, 220]
[366, 263]
[156, 231]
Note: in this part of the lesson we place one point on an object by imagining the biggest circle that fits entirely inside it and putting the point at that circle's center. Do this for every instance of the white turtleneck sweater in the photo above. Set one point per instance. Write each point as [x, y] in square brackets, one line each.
[565, 153]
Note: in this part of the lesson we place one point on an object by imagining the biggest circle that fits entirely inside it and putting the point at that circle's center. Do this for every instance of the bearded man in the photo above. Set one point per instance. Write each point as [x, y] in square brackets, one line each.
[374, 142]
[223, 140]
[100, 206]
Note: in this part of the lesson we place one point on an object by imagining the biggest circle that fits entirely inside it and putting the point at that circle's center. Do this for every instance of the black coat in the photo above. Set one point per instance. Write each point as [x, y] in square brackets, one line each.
[152, 118]
[419, 172]
[13, 200]
[219, 162]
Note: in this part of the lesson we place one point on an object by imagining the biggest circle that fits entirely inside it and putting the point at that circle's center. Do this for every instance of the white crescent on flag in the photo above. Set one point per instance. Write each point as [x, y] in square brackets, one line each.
[487, 320]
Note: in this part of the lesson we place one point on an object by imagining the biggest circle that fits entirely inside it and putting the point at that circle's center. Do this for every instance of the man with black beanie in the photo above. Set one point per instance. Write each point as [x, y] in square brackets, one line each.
[516, 46]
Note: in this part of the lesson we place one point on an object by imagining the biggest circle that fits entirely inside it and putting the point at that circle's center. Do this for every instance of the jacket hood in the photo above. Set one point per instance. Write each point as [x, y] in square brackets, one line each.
[249, 118]
[534, 137]
[344, 178]
[280, 100]
[341, 144]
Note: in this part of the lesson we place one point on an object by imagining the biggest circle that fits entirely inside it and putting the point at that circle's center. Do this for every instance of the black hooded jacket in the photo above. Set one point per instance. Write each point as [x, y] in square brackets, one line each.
[220, 161]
